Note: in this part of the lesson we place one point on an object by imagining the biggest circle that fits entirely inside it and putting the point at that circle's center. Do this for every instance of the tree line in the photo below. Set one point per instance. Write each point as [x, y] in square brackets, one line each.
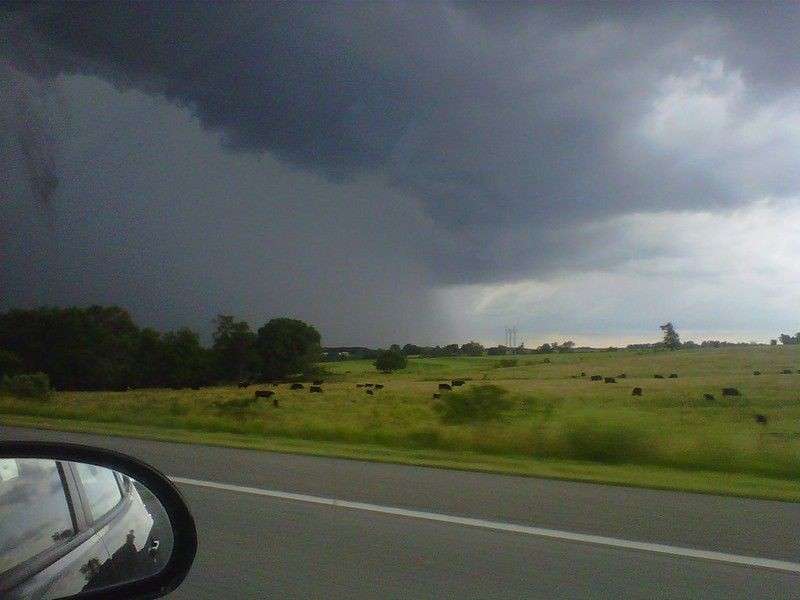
[101, 348]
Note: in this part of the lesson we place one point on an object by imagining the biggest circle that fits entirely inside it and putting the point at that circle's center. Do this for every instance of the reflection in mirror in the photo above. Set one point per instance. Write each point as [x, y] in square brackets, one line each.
[69, 527]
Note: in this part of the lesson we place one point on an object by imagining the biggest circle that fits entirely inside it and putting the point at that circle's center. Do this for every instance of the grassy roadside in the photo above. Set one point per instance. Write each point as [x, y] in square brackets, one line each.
[707, 482]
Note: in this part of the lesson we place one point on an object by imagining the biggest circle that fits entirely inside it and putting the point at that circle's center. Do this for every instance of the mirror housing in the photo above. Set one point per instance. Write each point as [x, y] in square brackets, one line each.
[184, 533]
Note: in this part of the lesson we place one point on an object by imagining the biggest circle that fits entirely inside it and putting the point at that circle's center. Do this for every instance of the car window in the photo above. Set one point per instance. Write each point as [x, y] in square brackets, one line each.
[101, 487]
[34, 512]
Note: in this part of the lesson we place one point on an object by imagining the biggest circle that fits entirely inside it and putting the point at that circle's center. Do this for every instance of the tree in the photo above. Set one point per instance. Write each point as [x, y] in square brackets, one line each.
[450, 350]
[10, 363]
[187, 362]
[287, 347]
[789, 340]
[566, 346]
[671, 338]
[234, 348]
[773, 342]
[390, 360]
[472, 348]
[412, 350]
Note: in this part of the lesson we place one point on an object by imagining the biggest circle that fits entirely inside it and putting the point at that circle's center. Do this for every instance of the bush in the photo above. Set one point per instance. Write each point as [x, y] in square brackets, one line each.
[479, 403]
[605, 438]
[35, 386]
[390, 360]
[507, 362]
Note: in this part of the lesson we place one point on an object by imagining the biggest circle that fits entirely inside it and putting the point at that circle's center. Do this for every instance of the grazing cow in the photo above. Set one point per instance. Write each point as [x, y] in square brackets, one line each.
[730, 392]
[318, 382]
[369, 384]
[315, 389]
[673, 375]
[361, 385]
[786, 372]
[596, 378]
[244, 384]
[621, 376]
[756, 372]
[445, 386]
[658, 377]
[762, 419]
[296, 386]
[609, 380]
[370, 392]
[437, 396]
[264, 393]
[457, 382]
[583, 374]
[636, 392]
[378, 386]
[708, 396]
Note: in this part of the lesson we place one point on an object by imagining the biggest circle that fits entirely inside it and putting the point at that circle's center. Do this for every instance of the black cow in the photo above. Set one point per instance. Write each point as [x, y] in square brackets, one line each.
[621, 376]
[762, 419]
[708, 396]
[673, 375]
[296, 386]
[264, 393]
[370, 392]
[636, 391]
[730, 392]
[583, 374]
[318, 382]
[244, 384]
[378, 386]
[359, 385]
[786, 372]
[315, 389]
[658, 377]
[437, 396]
[609, 380]
[445, 386]
[457, 382]
[596, 378]
[756, 372]
[369, 384]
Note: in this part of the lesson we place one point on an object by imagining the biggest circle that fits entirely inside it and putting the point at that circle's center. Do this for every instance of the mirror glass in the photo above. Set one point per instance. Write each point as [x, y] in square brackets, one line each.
[68, 527]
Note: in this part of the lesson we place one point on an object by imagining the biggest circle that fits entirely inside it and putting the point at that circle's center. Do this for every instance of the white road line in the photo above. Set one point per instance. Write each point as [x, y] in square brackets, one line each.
[750, 561]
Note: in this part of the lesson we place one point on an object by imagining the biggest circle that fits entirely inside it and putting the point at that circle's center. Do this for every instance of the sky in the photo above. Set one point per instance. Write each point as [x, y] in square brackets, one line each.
[407, 172]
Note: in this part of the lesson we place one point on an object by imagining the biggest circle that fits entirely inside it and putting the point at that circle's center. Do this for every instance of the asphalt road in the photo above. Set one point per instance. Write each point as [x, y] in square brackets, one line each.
[255, 546]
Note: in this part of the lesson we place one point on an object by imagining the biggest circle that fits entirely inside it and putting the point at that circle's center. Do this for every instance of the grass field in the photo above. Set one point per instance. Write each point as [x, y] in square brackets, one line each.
[558, 424]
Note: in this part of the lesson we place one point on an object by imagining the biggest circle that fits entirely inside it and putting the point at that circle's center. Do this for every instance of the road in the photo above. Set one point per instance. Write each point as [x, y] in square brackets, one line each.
[261, 546]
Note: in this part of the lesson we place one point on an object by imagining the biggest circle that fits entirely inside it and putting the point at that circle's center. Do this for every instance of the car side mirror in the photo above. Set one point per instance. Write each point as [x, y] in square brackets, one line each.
[84, 522]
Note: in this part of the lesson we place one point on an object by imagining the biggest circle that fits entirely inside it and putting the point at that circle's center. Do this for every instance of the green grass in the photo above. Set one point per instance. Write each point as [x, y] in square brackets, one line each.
[557, 425]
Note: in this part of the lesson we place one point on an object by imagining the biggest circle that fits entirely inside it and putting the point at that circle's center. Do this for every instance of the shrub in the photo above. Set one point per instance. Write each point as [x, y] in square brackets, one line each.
[390, 360]
[35, 386]
[479, 403]
[235, 406]
[605, 438]
[506, 362]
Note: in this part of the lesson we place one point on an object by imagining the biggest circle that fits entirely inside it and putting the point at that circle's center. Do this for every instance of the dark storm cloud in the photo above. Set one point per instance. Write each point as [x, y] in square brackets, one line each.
[483, 140]
[490, 114]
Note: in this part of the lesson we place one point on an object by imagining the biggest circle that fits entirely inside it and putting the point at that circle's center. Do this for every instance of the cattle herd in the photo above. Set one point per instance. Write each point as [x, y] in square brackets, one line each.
[370, 388]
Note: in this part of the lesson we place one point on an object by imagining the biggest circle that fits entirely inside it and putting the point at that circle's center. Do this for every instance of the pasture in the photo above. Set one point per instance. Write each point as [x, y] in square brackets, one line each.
[554, 414]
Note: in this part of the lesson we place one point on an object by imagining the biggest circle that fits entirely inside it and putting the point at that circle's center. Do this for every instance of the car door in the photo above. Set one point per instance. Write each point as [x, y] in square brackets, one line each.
[113, 505]
[52, 550]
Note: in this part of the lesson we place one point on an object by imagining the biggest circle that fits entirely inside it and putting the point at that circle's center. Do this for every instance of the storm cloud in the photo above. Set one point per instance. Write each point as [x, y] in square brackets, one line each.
[500, 136]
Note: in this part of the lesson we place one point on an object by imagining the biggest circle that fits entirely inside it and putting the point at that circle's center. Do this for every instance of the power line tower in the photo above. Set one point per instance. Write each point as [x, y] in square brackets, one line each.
[511, 339]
